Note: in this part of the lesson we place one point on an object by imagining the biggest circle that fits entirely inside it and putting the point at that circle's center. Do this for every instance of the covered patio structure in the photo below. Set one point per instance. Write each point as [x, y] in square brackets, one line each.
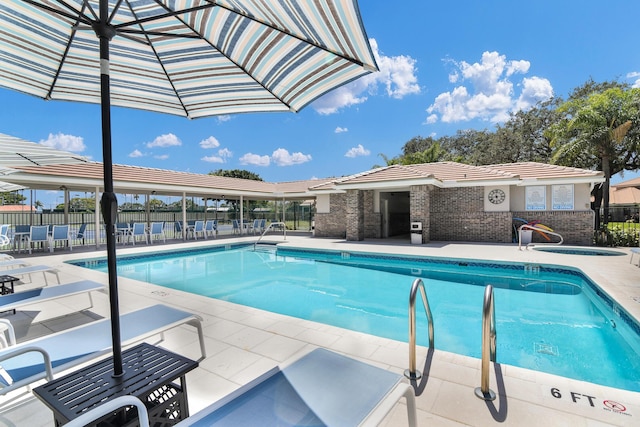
[148, 182]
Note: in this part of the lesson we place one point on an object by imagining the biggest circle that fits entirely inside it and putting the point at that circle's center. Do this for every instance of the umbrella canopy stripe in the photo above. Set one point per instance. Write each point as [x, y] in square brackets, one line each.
[18, 152]
[273, 55]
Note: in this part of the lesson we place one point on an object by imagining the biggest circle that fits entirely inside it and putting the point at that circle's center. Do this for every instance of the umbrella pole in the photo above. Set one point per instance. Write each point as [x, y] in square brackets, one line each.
[109, 202]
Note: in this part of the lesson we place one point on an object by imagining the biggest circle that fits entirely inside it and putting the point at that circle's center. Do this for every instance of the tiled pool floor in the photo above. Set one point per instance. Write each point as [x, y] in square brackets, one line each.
[243, 342]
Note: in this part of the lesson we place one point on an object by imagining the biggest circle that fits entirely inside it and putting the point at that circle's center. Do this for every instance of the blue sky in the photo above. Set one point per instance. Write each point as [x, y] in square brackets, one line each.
[444, 66]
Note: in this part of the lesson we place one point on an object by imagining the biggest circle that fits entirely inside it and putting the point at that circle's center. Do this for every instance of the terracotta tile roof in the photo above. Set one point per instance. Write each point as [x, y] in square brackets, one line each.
[128, 177]
[135, 178]
[441, 172]
[630, 183]
[624, 196]
[530, 170]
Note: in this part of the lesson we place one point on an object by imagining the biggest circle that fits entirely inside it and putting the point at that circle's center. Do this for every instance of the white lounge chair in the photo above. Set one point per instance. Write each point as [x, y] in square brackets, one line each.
[11, 263]
[40, 358]
[30, 269]
[321, 388]
[33, 296]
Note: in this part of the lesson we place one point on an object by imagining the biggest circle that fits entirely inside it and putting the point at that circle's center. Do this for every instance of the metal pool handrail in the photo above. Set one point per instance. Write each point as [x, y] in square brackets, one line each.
[412, 373]
[488, 344]
[542, 230]
[280, 224]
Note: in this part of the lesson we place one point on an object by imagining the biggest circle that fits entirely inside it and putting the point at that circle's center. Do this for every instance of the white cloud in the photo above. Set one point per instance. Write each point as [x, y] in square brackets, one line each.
[357, 151]
[60, 141]
[223, 118]
[166, 140]
[341, 130]
[397, 75]
[212, 159]
[634, 75]
[223, 155]
[161, 156]
[281, 157]
[136, 153]
[490, 93]
[255, 159]
[210, 142]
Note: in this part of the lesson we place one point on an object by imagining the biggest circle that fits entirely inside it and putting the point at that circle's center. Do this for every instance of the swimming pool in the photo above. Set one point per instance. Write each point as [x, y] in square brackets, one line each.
[548, 318]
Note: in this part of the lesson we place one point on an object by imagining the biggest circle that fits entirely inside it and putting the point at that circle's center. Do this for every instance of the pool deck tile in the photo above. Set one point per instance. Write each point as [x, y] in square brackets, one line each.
[243, 342]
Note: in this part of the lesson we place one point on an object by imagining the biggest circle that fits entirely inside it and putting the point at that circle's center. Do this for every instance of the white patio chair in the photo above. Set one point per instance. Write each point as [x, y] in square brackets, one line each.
[198, 228]
[157, 229]
[211, 228]
[236, 227]
[138, 230]
[60, 233]
[37, 234]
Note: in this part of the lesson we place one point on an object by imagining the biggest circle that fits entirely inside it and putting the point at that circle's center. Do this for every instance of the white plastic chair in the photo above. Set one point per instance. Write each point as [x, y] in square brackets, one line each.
[60, 233]
[38, 234]
[211, 228]
[138, 230]
[157, 229]
[198, 228]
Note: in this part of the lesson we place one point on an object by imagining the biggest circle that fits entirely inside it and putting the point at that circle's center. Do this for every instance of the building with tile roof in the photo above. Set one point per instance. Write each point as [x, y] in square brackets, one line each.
[449, 201]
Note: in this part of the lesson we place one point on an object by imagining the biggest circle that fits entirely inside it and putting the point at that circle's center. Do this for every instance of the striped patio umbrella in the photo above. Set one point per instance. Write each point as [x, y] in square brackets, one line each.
[19, 152]
[192, 58]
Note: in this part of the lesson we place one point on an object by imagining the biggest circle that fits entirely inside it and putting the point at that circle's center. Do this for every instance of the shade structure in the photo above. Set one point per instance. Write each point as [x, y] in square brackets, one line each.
[193, 58]
[19, 152]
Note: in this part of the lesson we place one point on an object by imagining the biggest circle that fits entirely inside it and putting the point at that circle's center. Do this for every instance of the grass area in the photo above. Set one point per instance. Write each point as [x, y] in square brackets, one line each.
[624, 226]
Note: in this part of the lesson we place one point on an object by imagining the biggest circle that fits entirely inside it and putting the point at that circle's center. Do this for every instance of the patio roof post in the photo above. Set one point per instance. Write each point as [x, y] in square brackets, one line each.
[184, 216]
[97, 231]
[148, 209]
[66, 205]
[241, 215]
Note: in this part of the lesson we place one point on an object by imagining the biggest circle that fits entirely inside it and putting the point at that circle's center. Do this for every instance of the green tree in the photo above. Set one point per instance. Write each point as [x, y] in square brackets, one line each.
[598, 131]
[237, 173]
[12, 198]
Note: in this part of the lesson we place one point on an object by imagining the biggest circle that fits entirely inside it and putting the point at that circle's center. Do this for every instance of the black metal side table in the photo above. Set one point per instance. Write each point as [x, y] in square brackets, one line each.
[150, 374]
[4, 280]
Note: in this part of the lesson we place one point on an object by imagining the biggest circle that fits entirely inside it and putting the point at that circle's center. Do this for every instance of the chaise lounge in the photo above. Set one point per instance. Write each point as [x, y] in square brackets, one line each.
[33, 360]
[322, 388]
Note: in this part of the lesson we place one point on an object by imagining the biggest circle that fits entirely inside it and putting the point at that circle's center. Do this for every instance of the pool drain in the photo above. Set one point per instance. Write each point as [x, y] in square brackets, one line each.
[543, 348]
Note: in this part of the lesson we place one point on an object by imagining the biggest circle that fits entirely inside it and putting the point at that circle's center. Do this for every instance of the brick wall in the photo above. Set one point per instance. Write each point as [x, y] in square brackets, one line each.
[372, 220]
[332, 224]
[355, 215]
[420, 200]
[576, 228]
[457, 214]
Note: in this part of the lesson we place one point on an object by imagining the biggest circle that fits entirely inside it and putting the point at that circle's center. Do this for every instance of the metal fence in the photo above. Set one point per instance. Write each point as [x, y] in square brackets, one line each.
[296, 219]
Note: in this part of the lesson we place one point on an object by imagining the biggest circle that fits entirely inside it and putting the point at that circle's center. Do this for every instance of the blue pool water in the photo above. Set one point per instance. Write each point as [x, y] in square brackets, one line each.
[548, 319]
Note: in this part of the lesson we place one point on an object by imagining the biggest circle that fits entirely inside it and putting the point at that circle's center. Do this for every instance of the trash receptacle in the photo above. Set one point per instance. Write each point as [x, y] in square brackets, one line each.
[416, 233]
[525, 236]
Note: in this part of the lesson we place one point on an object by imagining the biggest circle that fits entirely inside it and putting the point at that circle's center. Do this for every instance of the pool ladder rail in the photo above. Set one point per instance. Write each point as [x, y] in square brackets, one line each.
[540, 230]
[489, 336]
[412, 373]
[488, 344]
[273, 225]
